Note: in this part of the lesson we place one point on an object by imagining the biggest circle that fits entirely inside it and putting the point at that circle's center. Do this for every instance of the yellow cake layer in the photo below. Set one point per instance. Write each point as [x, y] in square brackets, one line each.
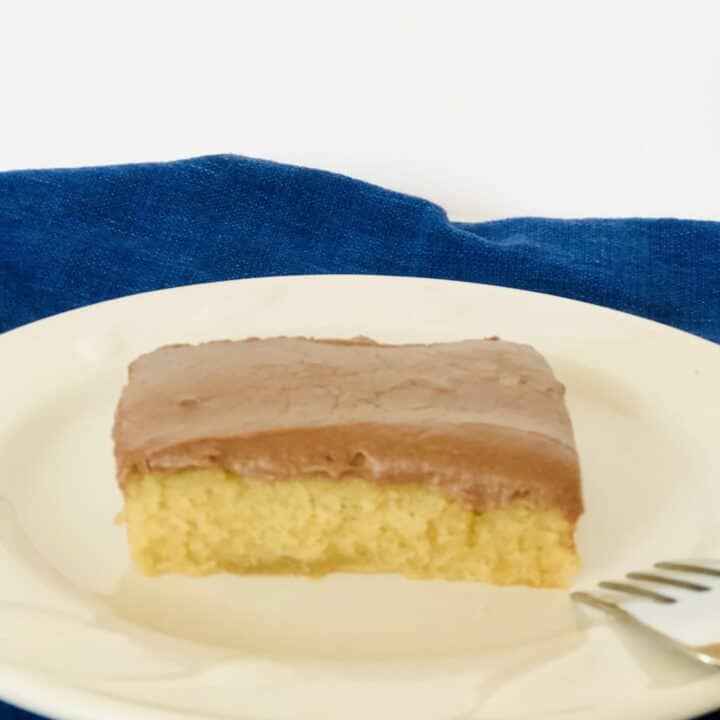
[198, 522]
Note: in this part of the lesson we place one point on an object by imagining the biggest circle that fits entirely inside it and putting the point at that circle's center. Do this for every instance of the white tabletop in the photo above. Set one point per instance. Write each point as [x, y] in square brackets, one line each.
[504, 107]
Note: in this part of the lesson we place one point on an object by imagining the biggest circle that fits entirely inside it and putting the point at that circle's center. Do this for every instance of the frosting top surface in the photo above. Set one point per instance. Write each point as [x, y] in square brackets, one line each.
[469, 416]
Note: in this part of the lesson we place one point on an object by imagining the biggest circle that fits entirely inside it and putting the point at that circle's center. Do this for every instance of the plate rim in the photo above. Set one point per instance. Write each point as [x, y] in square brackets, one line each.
[354, 277]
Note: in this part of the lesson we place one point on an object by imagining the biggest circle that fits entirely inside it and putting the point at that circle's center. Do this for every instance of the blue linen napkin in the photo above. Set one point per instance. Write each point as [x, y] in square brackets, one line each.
[73, 237]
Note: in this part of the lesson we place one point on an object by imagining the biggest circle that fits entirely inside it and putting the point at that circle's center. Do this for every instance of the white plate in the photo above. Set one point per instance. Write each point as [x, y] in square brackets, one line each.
[83, 636]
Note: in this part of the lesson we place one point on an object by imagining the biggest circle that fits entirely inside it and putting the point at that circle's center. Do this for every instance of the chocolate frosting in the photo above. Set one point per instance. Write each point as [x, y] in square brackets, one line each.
[484, 420]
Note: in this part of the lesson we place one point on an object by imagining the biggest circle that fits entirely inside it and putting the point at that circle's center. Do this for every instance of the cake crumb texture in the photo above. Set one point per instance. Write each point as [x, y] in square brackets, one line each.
[201, 521]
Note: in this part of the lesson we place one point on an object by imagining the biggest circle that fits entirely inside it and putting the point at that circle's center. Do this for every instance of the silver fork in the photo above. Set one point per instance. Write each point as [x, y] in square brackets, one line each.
[684, 612]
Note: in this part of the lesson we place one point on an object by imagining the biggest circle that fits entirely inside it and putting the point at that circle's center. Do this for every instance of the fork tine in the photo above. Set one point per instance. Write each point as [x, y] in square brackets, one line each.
[709, 654]
[688, 567]
[660, 579]
[599, 604]
[635, 590]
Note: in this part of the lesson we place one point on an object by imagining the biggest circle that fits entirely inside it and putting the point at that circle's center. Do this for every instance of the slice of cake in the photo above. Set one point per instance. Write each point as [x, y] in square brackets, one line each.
[290, 455]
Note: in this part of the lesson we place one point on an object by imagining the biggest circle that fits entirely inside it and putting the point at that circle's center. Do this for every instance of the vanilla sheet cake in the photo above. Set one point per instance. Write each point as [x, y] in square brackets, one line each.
[292, 455]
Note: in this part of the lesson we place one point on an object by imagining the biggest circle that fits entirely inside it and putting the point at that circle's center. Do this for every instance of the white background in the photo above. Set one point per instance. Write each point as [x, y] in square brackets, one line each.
[495, 108]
